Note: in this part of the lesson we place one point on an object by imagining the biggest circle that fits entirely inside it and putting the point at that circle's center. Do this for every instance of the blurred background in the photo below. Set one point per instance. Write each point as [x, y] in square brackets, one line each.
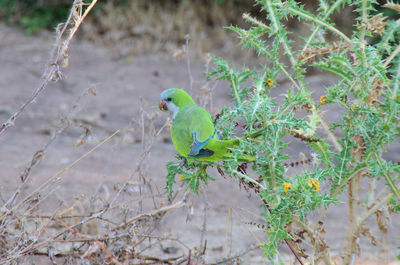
[137, 27]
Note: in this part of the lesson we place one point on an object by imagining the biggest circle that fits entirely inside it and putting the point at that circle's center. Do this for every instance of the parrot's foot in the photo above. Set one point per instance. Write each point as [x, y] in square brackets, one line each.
[183, 162]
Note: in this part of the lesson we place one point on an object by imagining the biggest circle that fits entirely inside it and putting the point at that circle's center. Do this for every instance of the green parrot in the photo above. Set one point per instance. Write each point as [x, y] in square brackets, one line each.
[192, 132]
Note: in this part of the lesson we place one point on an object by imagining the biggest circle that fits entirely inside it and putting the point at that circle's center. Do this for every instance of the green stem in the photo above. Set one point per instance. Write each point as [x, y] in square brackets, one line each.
[245, 177]
[396, 80]
[363, 29]
[289, 76]
[322, 23]
[331, 9]
[267, 53]
[276, 29]
[235, 90]
[338, 190]
[255, 21]
[391, 56]
[389, 180]
[376, 207]
[331, 136]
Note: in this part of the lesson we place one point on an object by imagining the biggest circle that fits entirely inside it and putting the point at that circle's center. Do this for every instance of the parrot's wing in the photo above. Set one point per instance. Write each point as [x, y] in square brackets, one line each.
[192, 129]
[203, 131]
[203, 153]
[197, 146]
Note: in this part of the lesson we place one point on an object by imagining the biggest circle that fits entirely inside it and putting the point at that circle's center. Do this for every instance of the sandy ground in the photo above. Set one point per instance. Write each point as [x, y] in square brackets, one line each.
[123, 87]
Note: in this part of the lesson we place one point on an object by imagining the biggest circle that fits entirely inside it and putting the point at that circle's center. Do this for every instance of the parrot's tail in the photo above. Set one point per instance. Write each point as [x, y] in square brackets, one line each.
[226, 145]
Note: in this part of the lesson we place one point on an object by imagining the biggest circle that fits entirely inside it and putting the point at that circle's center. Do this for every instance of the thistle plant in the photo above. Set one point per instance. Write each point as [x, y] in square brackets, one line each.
[366, 65]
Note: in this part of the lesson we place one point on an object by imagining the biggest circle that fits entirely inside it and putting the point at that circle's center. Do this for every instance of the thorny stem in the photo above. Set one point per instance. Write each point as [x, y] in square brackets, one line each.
[389, 180]
[391, 56]
[271, 166]
[396, 84]
[298, 87]
[331, 9]
[339, 188]
[255, 21]
[268, 54]
[363, 41]
[331, 136]
[276, 29]
[353, 179]
[363, 30]
[245, 177]
[360, 221]
[376, 207]
[235, 87]
[286, 240]
[353, 187]
[320, 22]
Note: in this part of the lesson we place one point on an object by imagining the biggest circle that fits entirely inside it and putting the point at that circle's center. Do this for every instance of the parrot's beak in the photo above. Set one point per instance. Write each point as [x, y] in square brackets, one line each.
[162, 106]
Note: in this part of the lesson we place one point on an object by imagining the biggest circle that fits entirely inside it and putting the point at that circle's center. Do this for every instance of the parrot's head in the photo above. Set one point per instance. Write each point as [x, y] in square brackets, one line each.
[173, 99]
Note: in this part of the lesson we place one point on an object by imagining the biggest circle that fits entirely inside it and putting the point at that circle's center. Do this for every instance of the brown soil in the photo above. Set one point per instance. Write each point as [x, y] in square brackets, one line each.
[122, 86]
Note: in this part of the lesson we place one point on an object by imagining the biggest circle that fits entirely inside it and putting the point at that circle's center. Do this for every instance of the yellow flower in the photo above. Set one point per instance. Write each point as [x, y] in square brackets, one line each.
[313, 183]
[270, 82]
[286, 186]
[322, 99]
[181, 176]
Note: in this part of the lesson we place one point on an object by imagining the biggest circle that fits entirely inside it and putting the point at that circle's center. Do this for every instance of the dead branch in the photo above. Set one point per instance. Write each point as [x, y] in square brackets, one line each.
[56, 176]
[101, 245]
[59, 56]
[164, 209]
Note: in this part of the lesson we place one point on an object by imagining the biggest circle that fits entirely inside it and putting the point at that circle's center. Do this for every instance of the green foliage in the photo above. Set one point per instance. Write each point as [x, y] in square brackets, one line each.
[398, 256]
[187, 174]
[6, 7]
[34, 15]
[43, 18]
[366, 91]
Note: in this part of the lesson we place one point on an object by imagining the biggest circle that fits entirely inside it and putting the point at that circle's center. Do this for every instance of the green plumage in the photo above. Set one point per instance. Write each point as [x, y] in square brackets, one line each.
[193, 133]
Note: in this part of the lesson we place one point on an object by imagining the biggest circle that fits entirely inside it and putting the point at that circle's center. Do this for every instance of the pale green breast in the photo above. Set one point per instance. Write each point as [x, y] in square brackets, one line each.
[187, 121]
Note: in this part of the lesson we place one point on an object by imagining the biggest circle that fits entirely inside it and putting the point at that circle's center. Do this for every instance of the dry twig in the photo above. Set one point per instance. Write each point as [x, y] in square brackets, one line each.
[59, 55]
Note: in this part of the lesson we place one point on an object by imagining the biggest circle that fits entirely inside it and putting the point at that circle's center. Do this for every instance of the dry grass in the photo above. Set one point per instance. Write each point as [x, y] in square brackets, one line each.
[107, 226]
[141, 27]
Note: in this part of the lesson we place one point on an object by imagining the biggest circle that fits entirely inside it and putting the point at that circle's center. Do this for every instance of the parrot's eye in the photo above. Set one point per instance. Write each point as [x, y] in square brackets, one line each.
[169, 99]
